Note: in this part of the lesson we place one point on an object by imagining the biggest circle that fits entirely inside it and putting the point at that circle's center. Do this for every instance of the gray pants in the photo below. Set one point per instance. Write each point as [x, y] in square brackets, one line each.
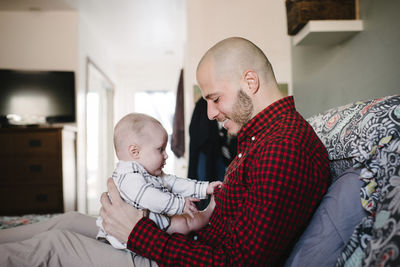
[65, 240]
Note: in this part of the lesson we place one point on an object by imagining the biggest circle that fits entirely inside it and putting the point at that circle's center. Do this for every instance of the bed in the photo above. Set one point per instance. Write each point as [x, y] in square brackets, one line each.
[13, 221]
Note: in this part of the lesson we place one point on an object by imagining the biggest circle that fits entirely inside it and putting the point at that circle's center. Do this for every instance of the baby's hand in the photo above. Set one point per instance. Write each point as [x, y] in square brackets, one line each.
[189, 207]
[212, 186]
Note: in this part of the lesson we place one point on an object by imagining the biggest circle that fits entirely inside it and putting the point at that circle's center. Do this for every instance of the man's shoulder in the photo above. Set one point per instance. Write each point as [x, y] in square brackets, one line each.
[290, 132]
[294, 127]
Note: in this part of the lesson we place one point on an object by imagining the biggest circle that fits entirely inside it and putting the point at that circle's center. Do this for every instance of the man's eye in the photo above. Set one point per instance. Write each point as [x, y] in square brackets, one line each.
[216, 100]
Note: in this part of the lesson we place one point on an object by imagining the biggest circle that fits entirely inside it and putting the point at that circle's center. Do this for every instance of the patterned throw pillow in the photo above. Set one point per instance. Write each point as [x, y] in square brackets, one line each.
[363, 123]
[368, 134]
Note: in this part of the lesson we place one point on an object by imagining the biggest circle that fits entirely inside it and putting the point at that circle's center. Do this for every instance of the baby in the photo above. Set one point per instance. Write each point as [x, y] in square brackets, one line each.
[140, 142]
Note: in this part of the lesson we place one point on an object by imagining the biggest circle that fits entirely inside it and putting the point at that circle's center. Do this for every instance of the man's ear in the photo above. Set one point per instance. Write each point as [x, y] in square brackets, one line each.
[251, 80]
[134, 151]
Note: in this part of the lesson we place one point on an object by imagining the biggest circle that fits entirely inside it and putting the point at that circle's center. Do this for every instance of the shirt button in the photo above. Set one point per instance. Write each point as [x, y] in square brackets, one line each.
[195, 237]
[240, 155]
[253, 138]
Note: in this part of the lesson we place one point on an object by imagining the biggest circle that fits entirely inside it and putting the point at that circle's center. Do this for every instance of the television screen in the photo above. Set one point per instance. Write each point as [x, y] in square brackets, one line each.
[35, 97]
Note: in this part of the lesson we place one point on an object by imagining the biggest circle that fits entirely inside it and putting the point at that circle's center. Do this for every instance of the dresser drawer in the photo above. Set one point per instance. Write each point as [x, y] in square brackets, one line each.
[30, 143]
[25, 199]
[34, 173]
[30, 170]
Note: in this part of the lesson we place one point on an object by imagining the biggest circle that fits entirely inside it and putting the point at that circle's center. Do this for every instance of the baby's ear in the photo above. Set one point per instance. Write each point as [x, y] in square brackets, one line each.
[134, 151]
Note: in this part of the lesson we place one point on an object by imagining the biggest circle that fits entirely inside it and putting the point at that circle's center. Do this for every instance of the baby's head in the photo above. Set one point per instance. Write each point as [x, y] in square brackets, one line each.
[141, 138]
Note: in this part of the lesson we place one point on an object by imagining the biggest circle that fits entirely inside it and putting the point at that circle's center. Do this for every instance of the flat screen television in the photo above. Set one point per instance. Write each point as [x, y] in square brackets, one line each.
[36, 97]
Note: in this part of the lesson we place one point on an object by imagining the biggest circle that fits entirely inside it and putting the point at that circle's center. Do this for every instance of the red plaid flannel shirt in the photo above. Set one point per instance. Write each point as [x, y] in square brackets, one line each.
[270, 192]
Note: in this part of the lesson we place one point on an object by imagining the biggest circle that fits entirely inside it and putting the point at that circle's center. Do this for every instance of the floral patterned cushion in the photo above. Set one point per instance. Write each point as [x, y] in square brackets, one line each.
[343, 129]
[367, 133]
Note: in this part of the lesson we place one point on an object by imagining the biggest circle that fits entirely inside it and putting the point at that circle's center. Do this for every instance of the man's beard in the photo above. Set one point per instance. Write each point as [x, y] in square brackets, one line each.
[242, 109]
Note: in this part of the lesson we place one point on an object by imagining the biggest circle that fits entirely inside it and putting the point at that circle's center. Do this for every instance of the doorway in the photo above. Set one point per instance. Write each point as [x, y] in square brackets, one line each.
[99, 129]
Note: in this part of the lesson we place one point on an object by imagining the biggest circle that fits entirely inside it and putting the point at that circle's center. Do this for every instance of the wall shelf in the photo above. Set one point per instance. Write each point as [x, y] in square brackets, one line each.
[327, 32]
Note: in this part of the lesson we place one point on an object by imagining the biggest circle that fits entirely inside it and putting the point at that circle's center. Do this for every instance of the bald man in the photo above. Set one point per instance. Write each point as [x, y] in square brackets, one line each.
[271, 188]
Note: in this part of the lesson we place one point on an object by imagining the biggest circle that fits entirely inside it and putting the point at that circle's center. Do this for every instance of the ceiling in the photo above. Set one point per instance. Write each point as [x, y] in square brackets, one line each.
[135, 30]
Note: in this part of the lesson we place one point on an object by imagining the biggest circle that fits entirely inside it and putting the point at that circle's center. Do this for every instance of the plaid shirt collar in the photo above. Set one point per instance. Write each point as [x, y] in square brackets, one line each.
[261, 122]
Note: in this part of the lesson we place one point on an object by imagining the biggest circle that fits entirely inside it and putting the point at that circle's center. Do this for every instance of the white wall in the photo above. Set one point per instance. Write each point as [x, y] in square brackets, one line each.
[363, 67]
[39, 40]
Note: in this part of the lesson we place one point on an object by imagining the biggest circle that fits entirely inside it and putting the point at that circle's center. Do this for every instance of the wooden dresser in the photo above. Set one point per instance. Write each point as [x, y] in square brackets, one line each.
[37, 170]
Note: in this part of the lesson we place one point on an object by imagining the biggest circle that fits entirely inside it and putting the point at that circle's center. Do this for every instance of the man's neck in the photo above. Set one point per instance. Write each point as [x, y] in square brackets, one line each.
[266, 97]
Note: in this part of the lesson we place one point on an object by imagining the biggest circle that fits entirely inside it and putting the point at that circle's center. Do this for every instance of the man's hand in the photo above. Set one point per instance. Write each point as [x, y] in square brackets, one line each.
[119, 218]
[185, 224]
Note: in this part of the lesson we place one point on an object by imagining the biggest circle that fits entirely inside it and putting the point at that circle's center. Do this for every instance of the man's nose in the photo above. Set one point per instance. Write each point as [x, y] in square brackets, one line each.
[212, 111]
